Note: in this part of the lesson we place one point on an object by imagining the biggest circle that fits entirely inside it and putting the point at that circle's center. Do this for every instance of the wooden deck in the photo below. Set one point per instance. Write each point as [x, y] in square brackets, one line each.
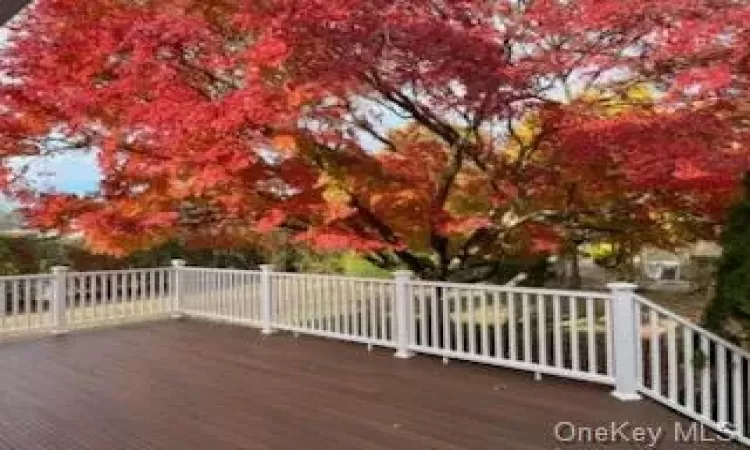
[195, 385]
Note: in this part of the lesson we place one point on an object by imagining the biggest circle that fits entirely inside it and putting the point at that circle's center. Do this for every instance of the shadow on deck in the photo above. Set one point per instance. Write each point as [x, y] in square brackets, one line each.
[195, 385]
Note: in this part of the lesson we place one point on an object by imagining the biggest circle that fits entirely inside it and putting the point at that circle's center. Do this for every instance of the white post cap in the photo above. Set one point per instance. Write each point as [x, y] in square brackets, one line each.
[622, 286]
[403, 274]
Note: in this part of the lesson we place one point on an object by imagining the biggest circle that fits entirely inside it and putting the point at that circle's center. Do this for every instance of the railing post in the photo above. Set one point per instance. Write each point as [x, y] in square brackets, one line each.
[266, 298]
[401, 316]
[177, 292]
[59, 299]
[624, 341]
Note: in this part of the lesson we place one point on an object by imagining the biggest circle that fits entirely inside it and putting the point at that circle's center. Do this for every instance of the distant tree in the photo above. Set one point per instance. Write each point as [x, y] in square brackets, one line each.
[732, 300]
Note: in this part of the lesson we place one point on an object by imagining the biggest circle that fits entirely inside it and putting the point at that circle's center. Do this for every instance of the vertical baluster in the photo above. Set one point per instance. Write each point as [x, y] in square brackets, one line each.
[325, 297]
[557, 329]
[314, 282]
[459, 315]
[94, 292]
[687, 338]
[384, 307]
[526, 313]
[209, 298]
[15, 301]
[27, 301]
[209, 293]
[133, 291]
[320, 314]
[434, 327]
[313, 302]
[118, 296]
[336, 296]
[706, 378]
[330, 295]
[361, 323]
[336, 305]
[372, 312]
[143, 293]
[655, 352]
[277, 306]
[164, 306]
[221, 304]
[203, 301]
[608, 337]
[103, 296]
[433, 316]
[247, 294]
[485, 329]
[124, 294]
[348, 299]
[108, 296]
[574, 345]
[154, 305]
[423, 319]
[300, 299]
[498, 324]
[542, 329]
[288, 300]
[305, 301]
[235, 297]
[446, 320]
[4, 297]
[591, 333]
[721, 379]
[239, 296]
[347, 291]
[200, 291]
[471, 327]
[738, 396]
[89, 293]
[672, 360]
[512, 341]
[75, 299]
[72, 288]
[232, 295]
[299, 302]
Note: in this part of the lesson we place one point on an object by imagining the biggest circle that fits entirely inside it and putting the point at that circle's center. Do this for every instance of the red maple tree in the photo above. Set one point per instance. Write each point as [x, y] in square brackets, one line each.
[220, 120]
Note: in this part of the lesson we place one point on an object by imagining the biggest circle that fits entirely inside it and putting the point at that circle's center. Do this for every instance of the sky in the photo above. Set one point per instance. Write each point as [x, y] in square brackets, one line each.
[75, 173]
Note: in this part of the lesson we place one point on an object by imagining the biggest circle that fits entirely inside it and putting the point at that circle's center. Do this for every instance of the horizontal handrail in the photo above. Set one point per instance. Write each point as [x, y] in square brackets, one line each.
[697, 329]
[514, 289]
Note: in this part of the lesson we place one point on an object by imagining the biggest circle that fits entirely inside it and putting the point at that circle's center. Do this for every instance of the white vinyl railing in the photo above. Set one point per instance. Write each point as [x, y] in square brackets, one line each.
[26, 304]
[557, 332]
[67, 300]
[221, 294]
[346, 308]
[693, 370]
[104, 297]
[616, 337]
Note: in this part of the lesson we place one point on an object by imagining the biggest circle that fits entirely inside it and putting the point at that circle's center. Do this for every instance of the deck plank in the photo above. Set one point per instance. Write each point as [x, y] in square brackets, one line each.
[196, 385]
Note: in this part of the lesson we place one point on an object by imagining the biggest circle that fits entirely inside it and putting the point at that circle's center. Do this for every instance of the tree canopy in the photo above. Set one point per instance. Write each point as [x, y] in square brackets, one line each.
[442, 135]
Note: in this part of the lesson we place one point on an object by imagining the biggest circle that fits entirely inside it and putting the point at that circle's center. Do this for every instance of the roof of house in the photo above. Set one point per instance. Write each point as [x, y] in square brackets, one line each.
[9, 8]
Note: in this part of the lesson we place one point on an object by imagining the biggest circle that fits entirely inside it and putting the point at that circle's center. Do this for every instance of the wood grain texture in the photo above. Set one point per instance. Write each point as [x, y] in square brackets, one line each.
[196, 385]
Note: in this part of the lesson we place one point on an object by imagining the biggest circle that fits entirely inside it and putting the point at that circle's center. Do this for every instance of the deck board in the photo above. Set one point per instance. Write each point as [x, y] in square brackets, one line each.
[196, 385]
